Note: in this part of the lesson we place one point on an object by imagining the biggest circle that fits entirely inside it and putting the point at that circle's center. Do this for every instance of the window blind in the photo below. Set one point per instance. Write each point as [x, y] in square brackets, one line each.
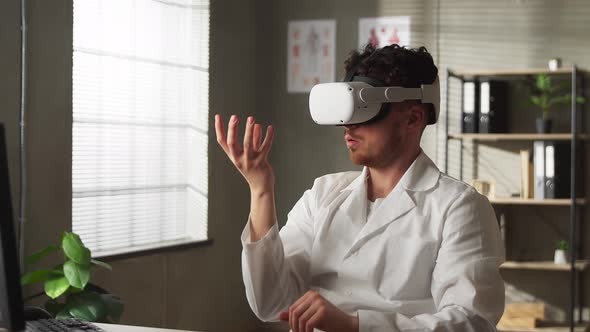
[140, 123]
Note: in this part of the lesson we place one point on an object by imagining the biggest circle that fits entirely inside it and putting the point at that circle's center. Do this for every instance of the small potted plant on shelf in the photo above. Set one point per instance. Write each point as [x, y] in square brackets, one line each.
[561, 249]
[67, 289]
[545, 94]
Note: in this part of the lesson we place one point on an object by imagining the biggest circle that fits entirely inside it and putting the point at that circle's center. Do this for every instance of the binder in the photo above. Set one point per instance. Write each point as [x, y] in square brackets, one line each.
[493, 107]
[539, 167]
[557, 170]
[552, 169]
[470, 112]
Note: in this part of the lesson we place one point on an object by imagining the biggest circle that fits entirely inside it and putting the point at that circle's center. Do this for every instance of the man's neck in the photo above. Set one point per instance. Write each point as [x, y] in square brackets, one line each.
[382, 180]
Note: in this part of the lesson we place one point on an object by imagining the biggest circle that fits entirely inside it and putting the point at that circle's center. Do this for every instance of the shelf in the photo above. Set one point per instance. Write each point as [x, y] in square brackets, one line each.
[512, 72]
[531, 201]
[579, 328]
[581, 265]
[518, 137]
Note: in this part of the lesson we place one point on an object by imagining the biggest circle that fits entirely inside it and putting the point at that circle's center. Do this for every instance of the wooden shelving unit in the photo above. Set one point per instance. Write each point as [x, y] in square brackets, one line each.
[581, 265]
[575, 203]
[518, 137]
[531, 201]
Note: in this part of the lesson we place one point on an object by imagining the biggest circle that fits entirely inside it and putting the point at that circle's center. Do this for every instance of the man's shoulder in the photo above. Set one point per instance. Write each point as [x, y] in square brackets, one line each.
[453, 188]
[335, 181]
[330, 185]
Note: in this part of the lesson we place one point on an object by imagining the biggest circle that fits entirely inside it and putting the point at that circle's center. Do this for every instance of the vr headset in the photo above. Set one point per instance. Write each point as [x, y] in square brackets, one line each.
[359, 99]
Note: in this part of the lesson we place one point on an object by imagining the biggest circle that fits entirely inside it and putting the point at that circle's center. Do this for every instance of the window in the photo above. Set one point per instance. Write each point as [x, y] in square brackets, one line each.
[140, 123]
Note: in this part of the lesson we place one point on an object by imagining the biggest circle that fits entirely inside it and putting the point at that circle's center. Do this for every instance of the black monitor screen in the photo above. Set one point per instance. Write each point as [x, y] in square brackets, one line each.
[11, 306]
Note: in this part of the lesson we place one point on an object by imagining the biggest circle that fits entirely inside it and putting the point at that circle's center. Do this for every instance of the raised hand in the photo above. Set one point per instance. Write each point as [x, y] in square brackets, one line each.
[251, 159]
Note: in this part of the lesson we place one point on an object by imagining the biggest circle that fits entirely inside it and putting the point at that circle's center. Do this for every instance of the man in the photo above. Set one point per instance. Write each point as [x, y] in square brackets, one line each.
[398, 247]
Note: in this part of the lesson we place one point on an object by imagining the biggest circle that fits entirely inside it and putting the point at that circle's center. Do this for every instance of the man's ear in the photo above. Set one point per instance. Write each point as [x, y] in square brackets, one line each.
[417, 116]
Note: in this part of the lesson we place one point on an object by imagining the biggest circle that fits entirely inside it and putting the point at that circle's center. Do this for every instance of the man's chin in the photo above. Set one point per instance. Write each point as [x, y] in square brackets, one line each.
[357, 158]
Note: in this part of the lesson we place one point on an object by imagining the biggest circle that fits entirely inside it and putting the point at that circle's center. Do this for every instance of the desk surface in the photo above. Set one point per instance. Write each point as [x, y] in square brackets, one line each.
[126, 328]
[129, 328]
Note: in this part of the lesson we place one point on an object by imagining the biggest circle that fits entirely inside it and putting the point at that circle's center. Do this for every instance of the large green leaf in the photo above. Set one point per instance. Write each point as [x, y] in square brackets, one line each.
[77, 275]
[40, 254]
[87, 306]
[115, 306]
[74, 249]
[35, 276]
[102, 264]
[56, 286]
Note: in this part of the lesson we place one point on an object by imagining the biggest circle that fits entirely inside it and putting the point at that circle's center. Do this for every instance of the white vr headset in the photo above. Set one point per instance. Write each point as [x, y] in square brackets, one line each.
[360, 100]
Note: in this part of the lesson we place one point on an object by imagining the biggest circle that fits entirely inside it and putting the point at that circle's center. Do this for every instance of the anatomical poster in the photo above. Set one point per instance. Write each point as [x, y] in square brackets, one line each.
[311, 54]
[383, 31]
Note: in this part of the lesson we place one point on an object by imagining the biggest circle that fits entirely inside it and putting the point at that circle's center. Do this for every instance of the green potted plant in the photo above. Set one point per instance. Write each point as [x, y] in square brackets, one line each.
[546, 93]
[561, 249]
[67, 288]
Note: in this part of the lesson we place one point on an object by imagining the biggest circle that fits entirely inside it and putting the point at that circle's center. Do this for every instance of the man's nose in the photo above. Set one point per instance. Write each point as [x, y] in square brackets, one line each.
[351, 126]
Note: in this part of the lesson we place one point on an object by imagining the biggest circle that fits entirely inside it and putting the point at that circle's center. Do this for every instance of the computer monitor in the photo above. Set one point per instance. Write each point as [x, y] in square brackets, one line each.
[11, 304]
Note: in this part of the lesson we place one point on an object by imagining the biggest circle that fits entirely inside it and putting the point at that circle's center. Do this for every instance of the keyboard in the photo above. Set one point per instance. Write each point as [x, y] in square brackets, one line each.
[60, 325]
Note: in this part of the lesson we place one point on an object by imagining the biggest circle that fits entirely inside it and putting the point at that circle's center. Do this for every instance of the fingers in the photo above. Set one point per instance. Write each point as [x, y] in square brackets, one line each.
[268, 139]
[313, 321]
[299, 315]
[248, 135]
[257, 137]
[252, 137]
[297, 309]
[232, 137]
[303, 323]
[220, 133]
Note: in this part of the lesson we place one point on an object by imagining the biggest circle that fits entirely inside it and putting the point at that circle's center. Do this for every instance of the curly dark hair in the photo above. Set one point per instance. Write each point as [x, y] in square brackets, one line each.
[395, 65]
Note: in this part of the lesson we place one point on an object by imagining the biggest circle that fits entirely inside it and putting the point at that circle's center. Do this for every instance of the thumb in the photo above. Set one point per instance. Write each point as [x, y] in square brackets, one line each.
[284, 316]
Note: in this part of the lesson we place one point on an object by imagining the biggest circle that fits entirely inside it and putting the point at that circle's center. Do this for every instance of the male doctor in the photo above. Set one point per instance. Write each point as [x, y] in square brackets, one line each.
[399, 246]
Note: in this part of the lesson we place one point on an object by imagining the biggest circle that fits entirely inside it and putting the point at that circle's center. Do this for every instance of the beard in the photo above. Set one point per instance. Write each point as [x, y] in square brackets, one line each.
[377, 155]
[359, 158]
[364, 158]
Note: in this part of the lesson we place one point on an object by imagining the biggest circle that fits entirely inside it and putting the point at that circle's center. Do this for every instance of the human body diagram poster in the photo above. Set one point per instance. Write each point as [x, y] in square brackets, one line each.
[311, 54]
[383, 31]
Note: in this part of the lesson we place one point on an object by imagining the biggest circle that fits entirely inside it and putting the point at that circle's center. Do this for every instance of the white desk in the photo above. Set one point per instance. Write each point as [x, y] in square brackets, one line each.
[129, 328]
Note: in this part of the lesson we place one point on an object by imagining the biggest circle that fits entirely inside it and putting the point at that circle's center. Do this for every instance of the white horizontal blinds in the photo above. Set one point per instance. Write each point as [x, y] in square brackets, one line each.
[140, 111]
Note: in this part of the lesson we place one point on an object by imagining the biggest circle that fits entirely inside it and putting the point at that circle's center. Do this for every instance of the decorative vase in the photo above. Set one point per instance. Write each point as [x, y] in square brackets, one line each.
[543, 126]
[560, 257]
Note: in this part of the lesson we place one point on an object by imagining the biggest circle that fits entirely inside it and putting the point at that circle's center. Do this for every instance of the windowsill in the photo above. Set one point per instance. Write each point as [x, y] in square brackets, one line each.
[109, 256]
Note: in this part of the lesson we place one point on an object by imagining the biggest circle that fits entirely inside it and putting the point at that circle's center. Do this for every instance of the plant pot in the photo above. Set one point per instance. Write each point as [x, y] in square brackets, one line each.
[560, 257]
[543, 126]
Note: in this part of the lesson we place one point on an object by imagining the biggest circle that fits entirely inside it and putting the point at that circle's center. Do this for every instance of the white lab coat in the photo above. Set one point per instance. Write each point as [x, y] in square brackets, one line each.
[426, 260]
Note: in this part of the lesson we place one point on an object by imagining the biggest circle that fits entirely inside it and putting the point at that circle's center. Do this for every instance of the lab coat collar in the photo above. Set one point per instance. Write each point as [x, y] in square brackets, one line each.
[422, 175]
[359, 181]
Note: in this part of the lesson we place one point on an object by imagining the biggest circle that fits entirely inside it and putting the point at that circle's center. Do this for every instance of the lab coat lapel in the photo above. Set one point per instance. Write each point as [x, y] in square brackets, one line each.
[394, 206]
[421, 175]
[355, 205]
